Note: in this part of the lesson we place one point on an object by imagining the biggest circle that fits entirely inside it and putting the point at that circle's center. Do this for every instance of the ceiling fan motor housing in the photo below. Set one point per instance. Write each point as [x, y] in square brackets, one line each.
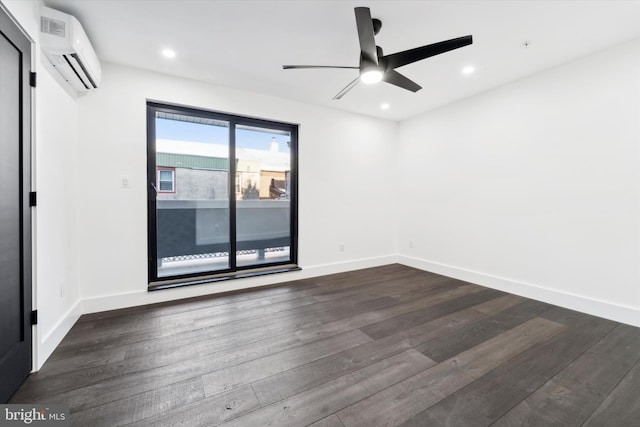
[377, 24]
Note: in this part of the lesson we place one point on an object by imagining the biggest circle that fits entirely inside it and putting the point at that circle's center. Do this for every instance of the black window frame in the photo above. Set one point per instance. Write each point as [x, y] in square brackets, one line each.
[233, 271]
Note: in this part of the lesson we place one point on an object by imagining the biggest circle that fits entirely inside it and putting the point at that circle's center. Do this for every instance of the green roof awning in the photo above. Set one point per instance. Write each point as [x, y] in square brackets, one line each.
[187, 161]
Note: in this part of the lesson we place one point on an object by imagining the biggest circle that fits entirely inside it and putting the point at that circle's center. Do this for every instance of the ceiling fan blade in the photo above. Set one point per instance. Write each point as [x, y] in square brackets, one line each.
[301, 67]
[366, 35]
[399, 59]
[397, 79]
[347, 88]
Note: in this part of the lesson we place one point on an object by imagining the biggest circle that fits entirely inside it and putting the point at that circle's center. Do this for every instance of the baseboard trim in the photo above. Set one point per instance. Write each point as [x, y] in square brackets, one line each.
[618, 313]
[142, 297]
[54, 336]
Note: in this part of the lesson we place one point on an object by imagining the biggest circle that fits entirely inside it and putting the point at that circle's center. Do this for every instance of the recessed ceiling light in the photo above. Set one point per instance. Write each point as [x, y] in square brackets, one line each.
[385, 106]
[168, 53]
[468, 70]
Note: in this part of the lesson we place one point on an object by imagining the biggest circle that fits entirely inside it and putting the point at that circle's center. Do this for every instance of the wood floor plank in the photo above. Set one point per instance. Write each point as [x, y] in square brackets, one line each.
[574, 393]
[110, 383]
[287, 383]
[409, 295]
[238, 375]
[178, 335]
[186, 321]
[472, 335]
[145, 320]
[113, 387]
[408, 398]
[453, 322]
[402, 293]
[499, 304]
[401, 288]
[303, 408]
[141, 406]
[162, 352]
[211, 321]
[387, 286]
[170, 307]
[205, 412]
[429, 312]
[357, 277]
[214, 327]
[622, 407]
[198, 355]
[258, 328]
[485, 400]
[92, 359]
[371, 317]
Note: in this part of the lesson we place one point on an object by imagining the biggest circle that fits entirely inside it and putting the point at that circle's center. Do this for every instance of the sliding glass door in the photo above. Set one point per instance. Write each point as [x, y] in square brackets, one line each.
[210, 216]
[263, 195]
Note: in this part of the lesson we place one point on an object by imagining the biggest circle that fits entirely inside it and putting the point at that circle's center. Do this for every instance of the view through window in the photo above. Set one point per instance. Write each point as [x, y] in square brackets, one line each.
[209, 215]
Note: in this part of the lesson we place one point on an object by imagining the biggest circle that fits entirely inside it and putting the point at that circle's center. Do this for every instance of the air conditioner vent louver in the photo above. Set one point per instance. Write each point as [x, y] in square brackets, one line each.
[80, 71]
[52, 26]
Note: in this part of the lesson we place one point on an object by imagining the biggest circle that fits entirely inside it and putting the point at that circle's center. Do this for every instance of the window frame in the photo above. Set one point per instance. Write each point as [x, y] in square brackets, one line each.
[233, 271]
[173, 179]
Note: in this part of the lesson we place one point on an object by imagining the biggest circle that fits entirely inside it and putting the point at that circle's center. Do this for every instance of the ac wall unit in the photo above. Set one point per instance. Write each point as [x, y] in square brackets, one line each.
[67, 47]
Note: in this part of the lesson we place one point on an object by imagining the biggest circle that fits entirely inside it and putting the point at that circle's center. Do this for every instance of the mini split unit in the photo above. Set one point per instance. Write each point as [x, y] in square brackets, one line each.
[67, 47]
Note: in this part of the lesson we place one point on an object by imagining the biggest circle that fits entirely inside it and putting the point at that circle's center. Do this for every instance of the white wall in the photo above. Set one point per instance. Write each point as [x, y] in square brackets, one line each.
[55, 156]
[534, 187]
[345, 185]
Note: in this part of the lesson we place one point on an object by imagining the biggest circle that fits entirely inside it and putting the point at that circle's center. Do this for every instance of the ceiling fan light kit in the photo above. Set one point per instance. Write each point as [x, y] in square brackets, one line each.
[375, 66]
[371, 75]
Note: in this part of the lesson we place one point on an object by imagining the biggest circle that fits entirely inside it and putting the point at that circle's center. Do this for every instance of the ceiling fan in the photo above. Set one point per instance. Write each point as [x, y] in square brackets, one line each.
[375, 66]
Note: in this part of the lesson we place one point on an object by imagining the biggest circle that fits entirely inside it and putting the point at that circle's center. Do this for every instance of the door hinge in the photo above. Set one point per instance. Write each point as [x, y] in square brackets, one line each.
[32, 79]
[34, 317]
[33, 199]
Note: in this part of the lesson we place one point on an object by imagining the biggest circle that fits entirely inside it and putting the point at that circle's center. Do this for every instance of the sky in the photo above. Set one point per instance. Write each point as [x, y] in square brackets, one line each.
[185, 131]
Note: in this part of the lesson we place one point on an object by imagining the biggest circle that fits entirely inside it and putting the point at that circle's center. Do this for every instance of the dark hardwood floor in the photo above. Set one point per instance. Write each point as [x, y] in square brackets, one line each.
[384, 346]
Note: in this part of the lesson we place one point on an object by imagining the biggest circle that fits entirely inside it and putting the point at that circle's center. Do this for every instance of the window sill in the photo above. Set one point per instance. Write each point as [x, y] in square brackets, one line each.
[242, 274]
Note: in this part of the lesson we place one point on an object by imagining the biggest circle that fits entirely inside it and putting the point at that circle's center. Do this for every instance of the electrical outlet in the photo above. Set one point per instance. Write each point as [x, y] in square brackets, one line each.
[341, 247]
[411, 243]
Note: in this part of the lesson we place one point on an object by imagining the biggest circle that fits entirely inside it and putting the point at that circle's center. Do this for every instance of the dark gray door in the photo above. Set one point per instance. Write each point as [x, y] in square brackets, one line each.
[15, 215]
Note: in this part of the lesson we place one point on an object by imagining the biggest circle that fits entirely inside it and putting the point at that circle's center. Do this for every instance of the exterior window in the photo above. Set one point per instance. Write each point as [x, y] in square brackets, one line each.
[235, 211]
[166, 180]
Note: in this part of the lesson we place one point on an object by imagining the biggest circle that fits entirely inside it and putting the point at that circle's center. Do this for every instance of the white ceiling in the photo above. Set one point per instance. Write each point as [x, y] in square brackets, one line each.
[243, 44]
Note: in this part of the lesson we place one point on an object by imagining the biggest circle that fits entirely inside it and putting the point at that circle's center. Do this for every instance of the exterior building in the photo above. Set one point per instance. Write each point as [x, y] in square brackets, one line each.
[188, 170]
[192, 185]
